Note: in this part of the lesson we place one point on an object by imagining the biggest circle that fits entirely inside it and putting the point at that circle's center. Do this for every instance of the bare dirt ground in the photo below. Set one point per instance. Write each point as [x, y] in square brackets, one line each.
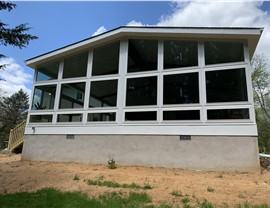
[229, 188]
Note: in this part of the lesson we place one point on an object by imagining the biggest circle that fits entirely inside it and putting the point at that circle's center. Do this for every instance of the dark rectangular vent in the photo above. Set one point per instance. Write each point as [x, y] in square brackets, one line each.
[185, 137]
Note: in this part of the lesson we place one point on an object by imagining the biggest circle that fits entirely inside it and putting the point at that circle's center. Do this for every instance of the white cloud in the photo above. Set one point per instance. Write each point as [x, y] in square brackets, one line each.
[100, 30]
[221, 14]
[13, 77]
[135, 23]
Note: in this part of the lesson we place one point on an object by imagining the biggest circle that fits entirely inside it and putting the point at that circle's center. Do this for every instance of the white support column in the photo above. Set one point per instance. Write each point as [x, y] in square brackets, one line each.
[202, 83]
[58, 92]
[123, 59]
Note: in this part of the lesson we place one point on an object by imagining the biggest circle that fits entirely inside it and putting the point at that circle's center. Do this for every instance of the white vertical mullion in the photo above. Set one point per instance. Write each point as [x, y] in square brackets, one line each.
[32, 97]
[87, 86]
[58, 91]
[160, 82]
[202, 82]
[121, 88]
[248, 70]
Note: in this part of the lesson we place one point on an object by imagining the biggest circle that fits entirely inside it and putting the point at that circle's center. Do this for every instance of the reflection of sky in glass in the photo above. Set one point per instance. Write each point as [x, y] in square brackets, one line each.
[42, 77]
[37, 97]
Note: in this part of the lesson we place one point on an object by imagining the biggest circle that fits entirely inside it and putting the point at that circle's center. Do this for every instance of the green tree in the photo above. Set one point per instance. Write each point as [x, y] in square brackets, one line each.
[13, 110]
[261, 88]
[16, 36]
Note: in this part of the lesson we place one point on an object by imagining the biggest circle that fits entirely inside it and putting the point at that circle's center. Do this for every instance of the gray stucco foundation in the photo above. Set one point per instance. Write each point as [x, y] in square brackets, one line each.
[218, 153]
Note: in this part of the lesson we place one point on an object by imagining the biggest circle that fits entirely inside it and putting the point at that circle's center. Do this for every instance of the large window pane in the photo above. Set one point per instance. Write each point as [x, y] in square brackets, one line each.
[72, 95]
[44, 97]
[142, 55]
[181, 88]
[180, 54]
[227, 114]
[101, 117]
[69, 118]
[217, 52]
[47, 71]
[75, 66]
[106, 59]
[141, 91]
[226, 86]
[181, 115]
[103, 93]
[141, 116]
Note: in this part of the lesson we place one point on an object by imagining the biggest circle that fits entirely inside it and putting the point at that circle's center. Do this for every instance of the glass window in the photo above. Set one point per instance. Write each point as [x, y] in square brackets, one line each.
[44, 97]
[218, 52]
[69, 118]
[69, 95]
[141, 116]
[228, 114]
[142, 55]
[141, 91]
[75, 66]
[181, 115]
[181, 88]
[47, 71]
[103, 93]
[180, 54]
[101, 116]
[106, 59]
[40, 118]
[226, 86]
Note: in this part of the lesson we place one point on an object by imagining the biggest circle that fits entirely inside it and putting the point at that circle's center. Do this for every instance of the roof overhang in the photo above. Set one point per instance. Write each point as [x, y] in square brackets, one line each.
[251, 35]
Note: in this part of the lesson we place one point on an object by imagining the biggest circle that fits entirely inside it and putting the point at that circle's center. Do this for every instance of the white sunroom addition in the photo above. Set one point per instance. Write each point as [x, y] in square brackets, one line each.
[194, 82]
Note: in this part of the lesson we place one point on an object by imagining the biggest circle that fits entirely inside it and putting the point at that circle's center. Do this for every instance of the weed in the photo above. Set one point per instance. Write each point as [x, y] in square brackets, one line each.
[185, 200]
[76, 178]
[206, 204]
[210, 189]
[176, 193]
[147, 186]
[113, 184]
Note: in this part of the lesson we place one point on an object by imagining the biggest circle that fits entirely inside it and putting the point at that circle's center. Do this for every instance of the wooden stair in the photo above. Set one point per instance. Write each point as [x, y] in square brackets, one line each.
[16, 136]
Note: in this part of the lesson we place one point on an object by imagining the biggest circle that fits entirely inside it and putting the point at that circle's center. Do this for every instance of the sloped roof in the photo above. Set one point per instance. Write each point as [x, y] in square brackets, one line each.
[250, 34]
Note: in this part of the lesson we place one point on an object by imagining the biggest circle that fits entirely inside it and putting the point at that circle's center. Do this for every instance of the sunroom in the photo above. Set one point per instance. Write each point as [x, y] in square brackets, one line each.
[156, 96]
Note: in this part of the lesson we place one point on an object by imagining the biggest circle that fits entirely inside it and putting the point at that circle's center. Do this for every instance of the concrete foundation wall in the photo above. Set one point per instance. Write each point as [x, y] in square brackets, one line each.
[218, 153]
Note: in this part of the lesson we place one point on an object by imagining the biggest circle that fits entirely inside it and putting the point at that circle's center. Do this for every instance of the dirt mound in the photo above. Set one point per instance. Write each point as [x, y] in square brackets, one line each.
[216, 187]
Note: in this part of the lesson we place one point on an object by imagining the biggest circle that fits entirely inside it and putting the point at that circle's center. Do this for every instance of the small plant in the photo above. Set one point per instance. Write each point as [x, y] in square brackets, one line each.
[185, 200]
[219, 176]
[111, 162]
[76, 178]
[176, 193]
[206, 204]
[210, 189]
[147, 186]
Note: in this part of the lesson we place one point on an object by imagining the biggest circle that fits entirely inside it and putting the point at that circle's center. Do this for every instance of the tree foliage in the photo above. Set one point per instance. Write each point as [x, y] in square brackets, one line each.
[16, 36]
[261, 87]
[13, 110]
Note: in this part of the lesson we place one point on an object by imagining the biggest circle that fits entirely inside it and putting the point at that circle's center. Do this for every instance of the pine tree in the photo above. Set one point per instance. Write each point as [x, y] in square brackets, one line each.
[16, 36]
[13, 110]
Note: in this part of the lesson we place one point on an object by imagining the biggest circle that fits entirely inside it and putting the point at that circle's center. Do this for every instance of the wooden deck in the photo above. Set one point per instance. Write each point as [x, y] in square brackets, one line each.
[16, 136]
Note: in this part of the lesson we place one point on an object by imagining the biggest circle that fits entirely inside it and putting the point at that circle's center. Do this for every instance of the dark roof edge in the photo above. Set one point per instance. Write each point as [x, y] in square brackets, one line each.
[141, 27]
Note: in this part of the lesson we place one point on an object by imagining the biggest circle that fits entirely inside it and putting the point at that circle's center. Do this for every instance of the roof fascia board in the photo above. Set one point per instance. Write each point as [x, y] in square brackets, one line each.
[244, 33]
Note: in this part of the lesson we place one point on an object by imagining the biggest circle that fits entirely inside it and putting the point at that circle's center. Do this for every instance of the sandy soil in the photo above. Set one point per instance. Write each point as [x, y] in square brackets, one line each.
[229, 188]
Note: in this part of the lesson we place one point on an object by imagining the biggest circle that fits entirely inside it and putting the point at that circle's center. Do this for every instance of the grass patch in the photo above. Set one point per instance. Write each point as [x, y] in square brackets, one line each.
[185, 200]
[52, 198]
[210, 189]
[76, 178]
[113, 184]
[176, 193]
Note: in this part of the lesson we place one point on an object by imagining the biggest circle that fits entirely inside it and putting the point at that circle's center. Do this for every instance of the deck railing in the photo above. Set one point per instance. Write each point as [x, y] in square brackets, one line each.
[16, 136]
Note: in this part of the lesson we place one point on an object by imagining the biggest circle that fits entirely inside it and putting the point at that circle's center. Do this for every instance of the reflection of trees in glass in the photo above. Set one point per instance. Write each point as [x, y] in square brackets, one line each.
[223, 52]
[180, 54]
[38, 106]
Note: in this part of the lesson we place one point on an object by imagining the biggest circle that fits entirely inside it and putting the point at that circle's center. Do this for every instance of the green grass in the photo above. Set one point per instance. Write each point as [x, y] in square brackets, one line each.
[176, 193]
[76, 178]
[113, 184]
[52, 198]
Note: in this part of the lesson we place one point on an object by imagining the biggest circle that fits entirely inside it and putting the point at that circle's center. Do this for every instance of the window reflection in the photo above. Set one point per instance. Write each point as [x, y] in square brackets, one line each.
[180, 54]
[69, 118]
[103, 93]
[141, 91]
[228, 114]
[75, 66]
[72, 95]
[44, 97]
[106, 59]
[142, 55]
[218, 52]
[181, 88]
[226, 86]
[101, 117]
[47, 71]
[40, 119]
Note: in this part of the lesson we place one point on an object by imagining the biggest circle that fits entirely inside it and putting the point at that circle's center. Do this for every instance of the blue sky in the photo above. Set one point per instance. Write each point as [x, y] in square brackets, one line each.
[61, 23]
